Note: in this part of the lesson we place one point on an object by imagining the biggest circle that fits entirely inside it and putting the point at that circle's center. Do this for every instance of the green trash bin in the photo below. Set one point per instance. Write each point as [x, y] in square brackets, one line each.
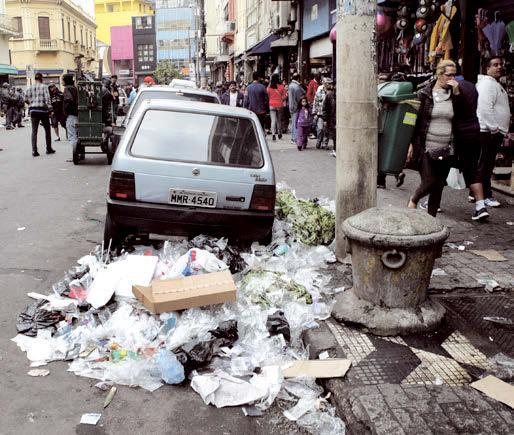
[396, 120]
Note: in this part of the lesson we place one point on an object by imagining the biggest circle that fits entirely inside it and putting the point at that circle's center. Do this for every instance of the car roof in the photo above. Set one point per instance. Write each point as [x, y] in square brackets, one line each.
[174, 89]
[195, 106]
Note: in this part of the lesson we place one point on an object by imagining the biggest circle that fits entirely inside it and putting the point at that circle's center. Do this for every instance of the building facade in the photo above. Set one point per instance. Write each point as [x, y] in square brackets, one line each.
[177, 39]
[7, 30]
[111, 13]
[145, 47]
[51, 37]
[122, 53]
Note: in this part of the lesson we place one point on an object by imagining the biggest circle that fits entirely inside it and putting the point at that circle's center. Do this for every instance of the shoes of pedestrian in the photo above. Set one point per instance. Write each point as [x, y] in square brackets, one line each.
[333, 153]
[304, 147]
[424, 206]
[20, 126]
[471, 198]
[58, 139]
[280, 136]
[381, 186]
[35, 154]
[312, 136]
[300, 148]
[50, 151]
[491, 202]
[400, 179]
[273, 137]
[480, 214]
[9, 128]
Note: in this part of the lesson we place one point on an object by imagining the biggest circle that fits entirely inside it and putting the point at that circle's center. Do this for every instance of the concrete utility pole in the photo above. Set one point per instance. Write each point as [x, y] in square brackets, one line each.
[357, 134]
[203, 72]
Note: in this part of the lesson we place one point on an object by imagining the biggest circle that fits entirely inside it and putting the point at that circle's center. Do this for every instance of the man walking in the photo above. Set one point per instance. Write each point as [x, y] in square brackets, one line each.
[295, 95]
[115, 91]
[70, 108]
[40, 108]
[494, 117]
[232, 97]
[257, 99]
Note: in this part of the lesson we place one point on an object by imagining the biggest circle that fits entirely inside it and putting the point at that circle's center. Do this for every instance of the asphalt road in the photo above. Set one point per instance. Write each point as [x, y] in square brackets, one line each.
[52, 213]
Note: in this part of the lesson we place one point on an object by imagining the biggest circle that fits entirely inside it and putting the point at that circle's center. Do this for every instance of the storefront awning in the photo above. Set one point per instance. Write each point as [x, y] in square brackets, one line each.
[222, 58]
[321, 48]
[286, 41]
[263, 46]
[8, 69]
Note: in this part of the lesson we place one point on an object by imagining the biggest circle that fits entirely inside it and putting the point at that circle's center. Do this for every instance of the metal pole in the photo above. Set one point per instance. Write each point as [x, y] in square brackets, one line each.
[357, 133]
[203, 71]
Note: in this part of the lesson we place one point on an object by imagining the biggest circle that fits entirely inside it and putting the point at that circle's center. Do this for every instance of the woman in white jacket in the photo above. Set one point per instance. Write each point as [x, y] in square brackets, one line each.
[494, 116]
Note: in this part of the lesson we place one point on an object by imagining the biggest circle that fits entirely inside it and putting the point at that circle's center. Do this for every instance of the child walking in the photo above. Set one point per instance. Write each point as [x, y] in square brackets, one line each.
[303, 124]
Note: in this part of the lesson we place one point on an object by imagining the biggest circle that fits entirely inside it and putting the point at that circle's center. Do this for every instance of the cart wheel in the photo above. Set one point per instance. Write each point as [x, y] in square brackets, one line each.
[76, 153]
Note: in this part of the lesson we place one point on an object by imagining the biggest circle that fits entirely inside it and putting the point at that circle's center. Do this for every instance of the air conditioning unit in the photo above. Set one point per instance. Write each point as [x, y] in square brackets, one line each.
[281, 16]
[230, 26]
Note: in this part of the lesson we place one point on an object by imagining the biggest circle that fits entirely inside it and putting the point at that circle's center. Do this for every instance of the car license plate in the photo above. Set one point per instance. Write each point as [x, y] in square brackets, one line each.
[193, 198]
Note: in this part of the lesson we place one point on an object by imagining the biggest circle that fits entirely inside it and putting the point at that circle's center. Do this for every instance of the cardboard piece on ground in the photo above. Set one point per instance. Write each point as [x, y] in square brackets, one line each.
[490, 254]
[192, 291]
[496, 389]
[325, 368]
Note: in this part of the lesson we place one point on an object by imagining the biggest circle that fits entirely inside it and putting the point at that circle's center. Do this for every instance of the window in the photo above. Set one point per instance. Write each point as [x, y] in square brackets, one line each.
[145, 52]
[18, 25]
[75, 32]
[62, 29]
[69, 31]
[81, 36]
[214, 139]
[144, 22]
[110, 7]
[44, 27]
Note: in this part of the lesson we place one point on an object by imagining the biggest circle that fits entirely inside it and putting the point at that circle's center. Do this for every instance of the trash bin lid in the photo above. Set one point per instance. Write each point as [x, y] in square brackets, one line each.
[394, 92]
[395, 226]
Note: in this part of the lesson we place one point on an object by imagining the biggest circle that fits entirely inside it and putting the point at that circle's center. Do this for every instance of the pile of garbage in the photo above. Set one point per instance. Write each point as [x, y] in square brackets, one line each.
[233, 354]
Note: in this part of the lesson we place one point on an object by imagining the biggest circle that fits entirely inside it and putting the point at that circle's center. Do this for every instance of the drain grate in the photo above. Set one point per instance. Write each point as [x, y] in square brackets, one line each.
[473, 309]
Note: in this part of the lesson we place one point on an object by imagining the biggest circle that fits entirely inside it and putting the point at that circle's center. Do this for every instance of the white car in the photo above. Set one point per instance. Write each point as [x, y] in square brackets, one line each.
[188, 168]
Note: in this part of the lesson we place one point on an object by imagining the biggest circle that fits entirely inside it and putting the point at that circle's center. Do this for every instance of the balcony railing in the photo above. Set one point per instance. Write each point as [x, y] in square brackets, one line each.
[47, 44]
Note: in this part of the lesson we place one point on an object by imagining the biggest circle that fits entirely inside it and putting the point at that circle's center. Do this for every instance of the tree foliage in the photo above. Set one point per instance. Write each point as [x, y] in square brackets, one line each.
[166, 72]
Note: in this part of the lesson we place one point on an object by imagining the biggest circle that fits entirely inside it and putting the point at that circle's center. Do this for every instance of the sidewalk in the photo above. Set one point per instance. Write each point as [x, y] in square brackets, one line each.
[420, 384]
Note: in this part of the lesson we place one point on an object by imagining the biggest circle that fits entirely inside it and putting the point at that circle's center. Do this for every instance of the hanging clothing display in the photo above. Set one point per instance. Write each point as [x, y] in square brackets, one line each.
[509, 28]
[441, 40]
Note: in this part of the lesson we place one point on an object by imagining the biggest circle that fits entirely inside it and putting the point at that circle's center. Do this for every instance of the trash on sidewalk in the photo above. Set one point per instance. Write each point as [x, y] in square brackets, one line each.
[35, 317]
[490, 254]
[38, 372]
[90, 418]
[110, 396]
[501, 366]
[488, 281]
[502, 321]
[438, 272]
[496, 389]
[324, 368]
[188, 292]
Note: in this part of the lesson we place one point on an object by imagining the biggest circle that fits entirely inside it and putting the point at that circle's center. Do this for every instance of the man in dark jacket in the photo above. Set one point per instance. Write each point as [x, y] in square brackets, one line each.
[257, 99]
[329, 115]
[107, 103]
[232, 97]
[70, 108]
[56, 98]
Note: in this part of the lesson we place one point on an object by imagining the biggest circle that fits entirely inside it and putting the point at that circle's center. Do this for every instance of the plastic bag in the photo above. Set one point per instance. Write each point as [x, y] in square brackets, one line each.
[455, 179]
[195, 261]
[277, 324]
[172, 372]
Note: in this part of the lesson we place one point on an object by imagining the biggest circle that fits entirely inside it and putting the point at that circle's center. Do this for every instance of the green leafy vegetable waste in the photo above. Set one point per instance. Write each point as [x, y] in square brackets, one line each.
[312, 223]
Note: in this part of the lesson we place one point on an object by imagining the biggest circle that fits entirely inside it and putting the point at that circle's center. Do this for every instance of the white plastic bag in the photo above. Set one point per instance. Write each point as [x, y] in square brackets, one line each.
[455, 179]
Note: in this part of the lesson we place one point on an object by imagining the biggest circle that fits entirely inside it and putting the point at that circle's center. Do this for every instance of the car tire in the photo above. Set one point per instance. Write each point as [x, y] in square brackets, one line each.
[113, 234]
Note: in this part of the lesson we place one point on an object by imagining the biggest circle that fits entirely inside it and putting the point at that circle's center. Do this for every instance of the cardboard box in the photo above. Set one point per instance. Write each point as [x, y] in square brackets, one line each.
[192, 291]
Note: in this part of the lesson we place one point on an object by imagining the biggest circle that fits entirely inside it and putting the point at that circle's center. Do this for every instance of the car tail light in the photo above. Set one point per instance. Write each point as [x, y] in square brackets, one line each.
[263, 198]
[122, 186]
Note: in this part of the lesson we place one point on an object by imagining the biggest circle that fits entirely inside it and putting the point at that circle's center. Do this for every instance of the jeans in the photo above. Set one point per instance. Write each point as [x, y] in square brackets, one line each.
[44, 119]
[489, 145]
[71, 129]
[276, 114]
[320, 133]
[294, 116]
[433, 179]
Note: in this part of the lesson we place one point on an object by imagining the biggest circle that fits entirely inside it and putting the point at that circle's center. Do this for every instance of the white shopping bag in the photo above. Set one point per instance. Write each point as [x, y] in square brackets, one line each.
[455, 179]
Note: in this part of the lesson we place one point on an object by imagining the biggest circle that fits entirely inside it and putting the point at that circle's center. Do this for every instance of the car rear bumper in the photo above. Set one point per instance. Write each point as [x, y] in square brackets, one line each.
[175, 220]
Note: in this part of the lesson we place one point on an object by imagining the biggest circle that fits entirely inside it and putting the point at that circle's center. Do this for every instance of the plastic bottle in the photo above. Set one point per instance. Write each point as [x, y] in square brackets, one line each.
[172, 372]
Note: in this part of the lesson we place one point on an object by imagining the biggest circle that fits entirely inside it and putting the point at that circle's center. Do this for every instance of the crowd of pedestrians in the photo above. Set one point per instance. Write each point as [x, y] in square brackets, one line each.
[310, 107]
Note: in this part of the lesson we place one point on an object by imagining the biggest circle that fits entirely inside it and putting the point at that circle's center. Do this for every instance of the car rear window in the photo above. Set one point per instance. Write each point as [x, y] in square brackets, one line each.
[180, 96]
[194, 137]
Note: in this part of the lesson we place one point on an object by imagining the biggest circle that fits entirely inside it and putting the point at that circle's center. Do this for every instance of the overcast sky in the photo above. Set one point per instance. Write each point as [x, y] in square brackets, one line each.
[87, 5]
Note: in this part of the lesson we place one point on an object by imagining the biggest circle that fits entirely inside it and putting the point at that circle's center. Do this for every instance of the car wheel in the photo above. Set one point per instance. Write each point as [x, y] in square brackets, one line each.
[113, 234]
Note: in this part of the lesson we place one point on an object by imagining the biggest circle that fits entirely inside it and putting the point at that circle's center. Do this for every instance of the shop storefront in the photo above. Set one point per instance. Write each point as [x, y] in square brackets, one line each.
[413, 36]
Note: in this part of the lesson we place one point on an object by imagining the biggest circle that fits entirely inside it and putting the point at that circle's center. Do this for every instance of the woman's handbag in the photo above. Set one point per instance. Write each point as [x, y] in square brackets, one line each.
[444, 153]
